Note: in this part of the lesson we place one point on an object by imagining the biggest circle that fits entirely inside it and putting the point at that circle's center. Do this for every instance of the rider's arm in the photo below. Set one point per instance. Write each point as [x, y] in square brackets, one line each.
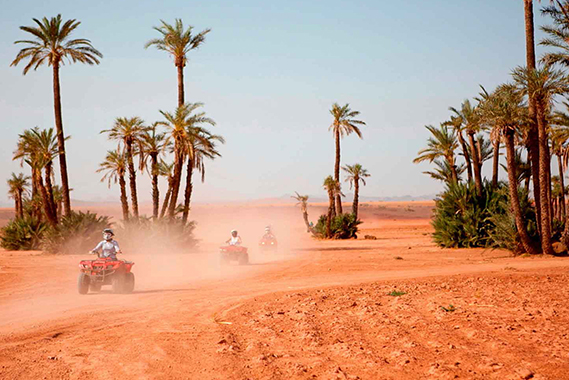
[239, 240]
[117, 248]
[97, 248]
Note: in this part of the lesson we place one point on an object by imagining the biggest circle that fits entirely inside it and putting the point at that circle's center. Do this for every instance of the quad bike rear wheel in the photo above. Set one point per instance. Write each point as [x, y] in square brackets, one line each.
[83, 283]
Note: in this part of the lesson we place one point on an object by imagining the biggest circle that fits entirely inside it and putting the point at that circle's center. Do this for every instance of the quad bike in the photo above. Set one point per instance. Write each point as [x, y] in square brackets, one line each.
[230, 253]
[105, 271]
[268, 244]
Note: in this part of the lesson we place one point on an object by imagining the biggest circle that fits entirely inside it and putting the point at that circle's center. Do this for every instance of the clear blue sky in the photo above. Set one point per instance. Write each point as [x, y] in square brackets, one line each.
[268, 74]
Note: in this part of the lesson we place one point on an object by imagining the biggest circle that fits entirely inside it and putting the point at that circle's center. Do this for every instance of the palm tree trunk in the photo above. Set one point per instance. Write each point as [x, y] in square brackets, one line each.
[466, 156]
[124, 199]
[549, 197]
[45, 202]
[180, 67]
[495, 163]
[533, 134]
[189, 188]
[562, 184]
[166, 199]
[19, 204]
[16, 207]
[51, 200]
[338, 209]
[132, 179]
[543, 178]
[176, 184]
[514, 197]
[355, 205]
[61, 140]
[476, 164]
[330, 214]
[155, 190]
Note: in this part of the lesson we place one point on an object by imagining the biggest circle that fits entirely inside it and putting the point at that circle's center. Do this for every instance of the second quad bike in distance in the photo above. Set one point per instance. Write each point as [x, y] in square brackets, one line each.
[229, 253]
[105, 271]
[268, 244]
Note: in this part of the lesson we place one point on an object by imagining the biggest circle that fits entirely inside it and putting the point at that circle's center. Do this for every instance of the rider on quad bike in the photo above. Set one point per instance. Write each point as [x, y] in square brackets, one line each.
[268, 241]
[235, 239]
[108, 247]
[268, 233]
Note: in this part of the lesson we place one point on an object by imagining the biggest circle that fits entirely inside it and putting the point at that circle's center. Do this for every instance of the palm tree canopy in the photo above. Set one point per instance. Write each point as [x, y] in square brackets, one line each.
[355, 173]
[543, 83]
[469, 116]
[114, 166]
[443, 171]
[52, 45]
[443, 143]
[557, 34]
[177, 41]
[504, 109]
[37, 147]
[18, 184]
[153, 143]
[332, 186]
[344, 122]
[127, 130]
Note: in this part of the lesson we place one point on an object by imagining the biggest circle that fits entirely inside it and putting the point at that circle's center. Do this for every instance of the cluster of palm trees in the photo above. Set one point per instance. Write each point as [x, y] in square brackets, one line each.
[184, 135]
[343, 124]
[520, 114]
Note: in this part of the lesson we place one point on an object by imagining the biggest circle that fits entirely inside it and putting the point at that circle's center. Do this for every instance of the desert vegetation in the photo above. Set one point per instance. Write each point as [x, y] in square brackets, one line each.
[528, 212]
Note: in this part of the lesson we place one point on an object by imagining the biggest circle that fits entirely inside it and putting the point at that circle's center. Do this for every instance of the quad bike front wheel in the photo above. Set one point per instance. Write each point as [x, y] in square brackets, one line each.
[83, 283]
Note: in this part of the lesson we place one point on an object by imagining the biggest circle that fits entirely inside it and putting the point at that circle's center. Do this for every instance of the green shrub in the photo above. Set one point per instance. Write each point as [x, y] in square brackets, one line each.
[344, 226]
[22, 234]
[462, 219]
[76, 233]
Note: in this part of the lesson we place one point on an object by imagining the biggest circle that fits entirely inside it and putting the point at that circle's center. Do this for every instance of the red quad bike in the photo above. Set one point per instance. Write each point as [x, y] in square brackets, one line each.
[268, 244]
[105, 271]
[230, 253]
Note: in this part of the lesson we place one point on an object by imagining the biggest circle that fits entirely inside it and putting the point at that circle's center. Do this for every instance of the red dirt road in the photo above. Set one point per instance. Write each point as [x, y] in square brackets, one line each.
[319, 309]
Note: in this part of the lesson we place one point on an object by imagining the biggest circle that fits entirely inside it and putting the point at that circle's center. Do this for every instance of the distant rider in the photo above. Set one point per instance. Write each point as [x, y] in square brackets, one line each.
[235, 238]
[108, 247]
[268, 234]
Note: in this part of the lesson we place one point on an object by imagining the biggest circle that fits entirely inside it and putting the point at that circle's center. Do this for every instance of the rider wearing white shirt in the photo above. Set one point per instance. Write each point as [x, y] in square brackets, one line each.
[235, 238]
[108, 246]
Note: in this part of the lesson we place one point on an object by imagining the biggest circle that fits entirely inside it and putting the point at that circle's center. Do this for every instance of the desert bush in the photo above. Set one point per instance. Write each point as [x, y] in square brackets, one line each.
[77, 232]
[462, 219]
[22, 234]
[146, 235]
[344, 226]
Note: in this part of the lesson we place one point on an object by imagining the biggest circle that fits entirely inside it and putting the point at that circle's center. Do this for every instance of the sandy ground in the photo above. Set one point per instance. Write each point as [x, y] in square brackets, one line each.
[393, 308]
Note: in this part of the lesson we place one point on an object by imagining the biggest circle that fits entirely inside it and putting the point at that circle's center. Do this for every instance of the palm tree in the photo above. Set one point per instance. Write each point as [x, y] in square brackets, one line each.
[114, 167]
[303, 202]
[178, 43]
[470, 117]
[332, 187]
[356, 173]
[443, 171]
[541, 85]
[52, 46]
[166, 170]
[505, 108]
[456, 123]
[523, 169]
[38, 148]
[442, 144]
[17, 186]
[343, 124]
[153, 145]
[558, 34]
[182, 127]
[559, 150]
[201, 146]
[130, 133]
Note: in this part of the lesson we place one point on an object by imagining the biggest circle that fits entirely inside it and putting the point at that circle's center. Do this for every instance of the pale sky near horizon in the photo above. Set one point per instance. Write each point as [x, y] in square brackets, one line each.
[268, 75]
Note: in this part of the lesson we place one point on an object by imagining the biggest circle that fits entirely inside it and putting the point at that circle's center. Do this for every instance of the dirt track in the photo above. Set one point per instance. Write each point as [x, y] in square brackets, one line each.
[318, 310]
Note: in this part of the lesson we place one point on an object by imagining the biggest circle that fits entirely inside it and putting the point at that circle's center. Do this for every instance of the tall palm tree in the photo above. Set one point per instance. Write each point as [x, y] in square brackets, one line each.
[542, 85]
[129, 132]
[343, 125]
[470, 117]
[333, 189]
[303, 202]
[181, 127]
[52, 45]
[202, 146]
[166, 170]
[17, 186]
[442, 143]
[456, 123]
[505, 108]
[114, 169]
[356, 173]
[178, 43]
[153, 145]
